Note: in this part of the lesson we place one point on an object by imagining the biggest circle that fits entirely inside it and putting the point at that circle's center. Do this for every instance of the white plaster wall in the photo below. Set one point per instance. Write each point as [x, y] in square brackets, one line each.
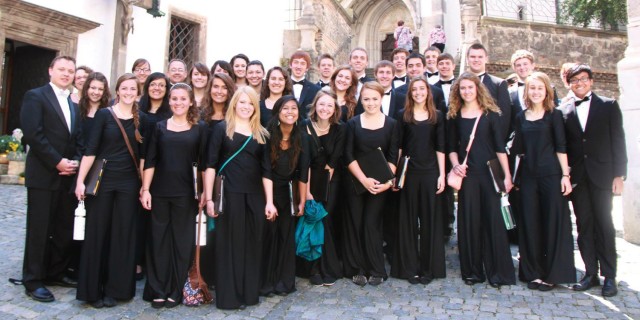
[94, 46]
[254, 28]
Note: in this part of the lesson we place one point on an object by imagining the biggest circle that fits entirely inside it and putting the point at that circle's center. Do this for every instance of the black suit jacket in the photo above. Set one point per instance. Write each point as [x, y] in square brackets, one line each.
[599, 153]
[438, 97]
[499, 90]
[46, 132]
[308, 93]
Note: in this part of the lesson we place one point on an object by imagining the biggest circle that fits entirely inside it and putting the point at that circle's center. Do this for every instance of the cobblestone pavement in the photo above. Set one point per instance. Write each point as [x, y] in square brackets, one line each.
[394, 299]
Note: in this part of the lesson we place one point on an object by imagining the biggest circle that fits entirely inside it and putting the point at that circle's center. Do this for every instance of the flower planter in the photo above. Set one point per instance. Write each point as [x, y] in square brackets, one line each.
[15, 168]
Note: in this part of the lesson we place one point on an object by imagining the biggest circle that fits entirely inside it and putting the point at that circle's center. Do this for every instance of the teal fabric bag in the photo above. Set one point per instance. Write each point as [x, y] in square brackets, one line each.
[310, 231]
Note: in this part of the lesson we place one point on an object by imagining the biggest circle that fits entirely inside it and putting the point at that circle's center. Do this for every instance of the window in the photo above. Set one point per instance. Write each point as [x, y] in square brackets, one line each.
[183, 40]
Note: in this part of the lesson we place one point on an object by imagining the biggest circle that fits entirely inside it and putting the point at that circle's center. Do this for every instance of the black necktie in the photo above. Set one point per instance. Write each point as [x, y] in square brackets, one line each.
[447, 81]
[301, 82]
[429, 74]
[520, 84]
[481, 76]
[579, 102]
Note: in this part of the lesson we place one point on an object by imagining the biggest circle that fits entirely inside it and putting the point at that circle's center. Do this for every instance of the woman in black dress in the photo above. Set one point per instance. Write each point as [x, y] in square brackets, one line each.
[107, 264]
[248, 198]
[239, 64]
[326, 152]
[482, 237]
[289, 157]
[167, 190]
[546, 243]
[95, 95]
[419, 248]
[214, 109]
[155, 104]
[278, 84]
[363, 255]
[344, 83]
[199, 80]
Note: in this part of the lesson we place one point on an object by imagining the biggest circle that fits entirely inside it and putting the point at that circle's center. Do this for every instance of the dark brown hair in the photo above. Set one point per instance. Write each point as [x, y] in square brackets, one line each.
[84, 103]
[207, 101]
[193, 115]
[410, 104]
[134, 110]
[350, 95]
[295, 139]
[288, 87]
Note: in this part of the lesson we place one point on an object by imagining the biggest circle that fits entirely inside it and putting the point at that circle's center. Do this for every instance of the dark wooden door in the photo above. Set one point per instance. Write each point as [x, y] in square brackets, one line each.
[388, 46]
[27, 69]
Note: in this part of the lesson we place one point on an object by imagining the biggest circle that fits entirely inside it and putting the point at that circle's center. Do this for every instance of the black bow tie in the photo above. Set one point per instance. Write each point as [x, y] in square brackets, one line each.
[447, 81]
[520, 84]
[578, 102]
[400, 78]
[322, 84]
[429, 74]
[301, 82]
[482, 75]
[363, 79]
[388, 93]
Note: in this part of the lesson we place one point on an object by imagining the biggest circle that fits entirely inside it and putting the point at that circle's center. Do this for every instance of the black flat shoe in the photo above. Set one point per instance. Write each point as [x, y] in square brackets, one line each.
[41, 294]
[414, 280]
[97, 304]
[495, 285]
[586, 283]
[609, 288]
[109, 302]
[157, 303]
[546, 287]
[61, 282]
[471, 281]
[359, 280]
[171, 304]
[425, 280]
[374, 281]
[534, 285]
[316, 280]
[242, 307]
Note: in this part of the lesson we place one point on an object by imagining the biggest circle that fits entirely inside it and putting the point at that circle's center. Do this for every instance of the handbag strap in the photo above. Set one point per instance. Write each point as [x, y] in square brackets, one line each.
[314, 136]
[126, 140]
[197, 258]
[235, 154]
[471, 138]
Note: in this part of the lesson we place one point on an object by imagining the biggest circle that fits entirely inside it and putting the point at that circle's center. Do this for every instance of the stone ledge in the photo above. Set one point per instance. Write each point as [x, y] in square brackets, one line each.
[9, 179]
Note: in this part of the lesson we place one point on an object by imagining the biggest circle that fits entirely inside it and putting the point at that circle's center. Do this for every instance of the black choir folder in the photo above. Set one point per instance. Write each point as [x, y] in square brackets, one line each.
[319, 184]
[374, 165]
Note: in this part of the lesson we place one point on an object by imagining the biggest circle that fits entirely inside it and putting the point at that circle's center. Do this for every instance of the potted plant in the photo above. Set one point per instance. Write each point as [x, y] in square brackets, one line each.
[16, 156]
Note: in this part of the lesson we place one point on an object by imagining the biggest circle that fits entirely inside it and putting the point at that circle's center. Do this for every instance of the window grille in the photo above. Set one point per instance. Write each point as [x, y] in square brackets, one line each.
[183, 38]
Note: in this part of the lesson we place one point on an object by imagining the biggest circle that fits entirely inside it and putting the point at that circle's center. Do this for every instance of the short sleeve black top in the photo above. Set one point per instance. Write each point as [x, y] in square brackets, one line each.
[149, 124]
[106, 142]
[420, 141]
[360, 140]
[173, 154]
[539, 141]
[332, 144]
[243, 174]
[489, 139]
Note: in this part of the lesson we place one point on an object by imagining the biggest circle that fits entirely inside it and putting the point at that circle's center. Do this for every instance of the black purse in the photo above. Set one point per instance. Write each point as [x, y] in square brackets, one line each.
[218, 184]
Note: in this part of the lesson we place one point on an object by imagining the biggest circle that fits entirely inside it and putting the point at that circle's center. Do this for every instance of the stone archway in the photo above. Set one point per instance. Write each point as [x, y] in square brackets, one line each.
[374, 21]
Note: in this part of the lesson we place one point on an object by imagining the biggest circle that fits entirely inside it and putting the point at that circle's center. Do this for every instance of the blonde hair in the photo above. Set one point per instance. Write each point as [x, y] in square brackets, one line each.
[260, 134]
[485, 100]
[548, 104]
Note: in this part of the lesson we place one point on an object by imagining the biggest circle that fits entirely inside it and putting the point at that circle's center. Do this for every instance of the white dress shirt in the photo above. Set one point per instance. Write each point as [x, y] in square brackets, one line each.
[62, 95]
[386, 102]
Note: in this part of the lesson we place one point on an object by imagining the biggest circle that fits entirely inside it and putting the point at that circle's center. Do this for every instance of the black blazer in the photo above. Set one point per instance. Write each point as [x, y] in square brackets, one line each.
[308, 93]
[46, 132]
[599, 153]
[499, 90]
[438, 97]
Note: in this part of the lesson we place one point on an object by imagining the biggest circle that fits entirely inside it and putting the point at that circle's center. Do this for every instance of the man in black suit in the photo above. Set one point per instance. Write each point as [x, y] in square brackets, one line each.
[326, 66]
[598, 159]
[416, 67]
[399, 59]
[51, 125]
[303, 89]
[358, 60]
[477, 57]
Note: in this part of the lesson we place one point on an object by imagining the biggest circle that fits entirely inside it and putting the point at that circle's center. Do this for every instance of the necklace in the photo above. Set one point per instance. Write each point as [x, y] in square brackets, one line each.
[176, 124]
[317, 127]
[283, 139]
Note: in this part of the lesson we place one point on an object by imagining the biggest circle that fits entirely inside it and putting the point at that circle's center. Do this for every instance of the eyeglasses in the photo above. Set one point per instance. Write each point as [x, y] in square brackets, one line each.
[176, 70]
[157, 85]
[140, 70]
[583, 80]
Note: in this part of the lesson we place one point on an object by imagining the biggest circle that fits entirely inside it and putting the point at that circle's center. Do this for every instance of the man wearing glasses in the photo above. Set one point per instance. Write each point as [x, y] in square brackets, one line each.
[598, 159]
[177, 71]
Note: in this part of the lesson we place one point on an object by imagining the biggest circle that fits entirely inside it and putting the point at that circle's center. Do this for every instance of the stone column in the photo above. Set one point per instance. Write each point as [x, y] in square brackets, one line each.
[123, 26]
[470, 12]
[308, 29]
[629, 82]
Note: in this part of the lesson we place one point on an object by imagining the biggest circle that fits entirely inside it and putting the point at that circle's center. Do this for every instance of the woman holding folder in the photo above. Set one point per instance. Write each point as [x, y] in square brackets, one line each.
[422, 143]
[371, 138]
[482, 236]
[326, 135]
[546, 243]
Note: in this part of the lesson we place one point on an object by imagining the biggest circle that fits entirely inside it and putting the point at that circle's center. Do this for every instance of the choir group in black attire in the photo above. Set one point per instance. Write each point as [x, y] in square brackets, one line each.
[271, 148]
